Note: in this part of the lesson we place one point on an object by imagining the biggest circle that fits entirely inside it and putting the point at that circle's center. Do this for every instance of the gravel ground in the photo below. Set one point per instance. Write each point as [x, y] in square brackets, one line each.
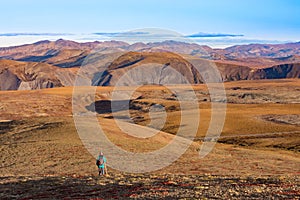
[150, 186]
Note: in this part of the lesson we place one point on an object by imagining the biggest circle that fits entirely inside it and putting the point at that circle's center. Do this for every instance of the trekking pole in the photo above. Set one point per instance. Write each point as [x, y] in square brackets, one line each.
[105, 169]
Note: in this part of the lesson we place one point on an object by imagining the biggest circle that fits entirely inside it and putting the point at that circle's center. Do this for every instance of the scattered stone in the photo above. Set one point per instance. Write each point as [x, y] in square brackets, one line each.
[146, 186]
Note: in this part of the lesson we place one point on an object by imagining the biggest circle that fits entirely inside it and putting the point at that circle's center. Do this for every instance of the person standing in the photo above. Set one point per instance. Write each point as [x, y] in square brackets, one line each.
[101, 163]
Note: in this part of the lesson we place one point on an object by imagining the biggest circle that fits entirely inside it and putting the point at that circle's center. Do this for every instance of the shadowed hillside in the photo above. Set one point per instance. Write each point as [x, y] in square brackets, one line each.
[141, 68]
[16, 75]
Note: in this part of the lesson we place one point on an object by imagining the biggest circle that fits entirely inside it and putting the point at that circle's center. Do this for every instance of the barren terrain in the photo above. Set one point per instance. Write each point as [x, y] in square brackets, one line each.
[256, 156]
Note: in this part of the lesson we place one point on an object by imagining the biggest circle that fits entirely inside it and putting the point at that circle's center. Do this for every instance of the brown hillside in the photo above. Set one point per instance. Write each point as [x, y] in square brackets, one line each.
[150, 68]
[15, 75]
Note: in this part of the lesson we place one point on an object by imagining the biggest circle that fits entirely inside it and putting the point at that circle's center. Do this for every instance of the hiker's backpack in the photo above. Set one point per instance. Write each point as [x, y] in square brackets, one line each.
[100, 161]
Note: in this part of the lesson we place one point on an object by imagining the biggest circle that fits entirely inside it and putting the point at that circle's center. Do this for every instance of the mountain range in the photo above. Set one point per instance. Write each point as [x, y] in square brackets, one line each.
[47, 64]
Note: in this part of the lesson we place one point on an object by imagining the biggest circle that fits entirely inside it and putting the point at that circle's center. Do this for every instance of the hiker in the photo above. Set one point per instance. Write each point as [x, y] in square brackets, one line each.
[101, 163]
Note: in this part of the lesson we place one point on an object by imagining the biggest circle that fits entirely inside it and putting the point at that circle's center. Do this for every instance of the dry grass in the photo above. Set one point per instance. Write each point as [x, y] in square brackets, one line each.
[57, 150]
[43, 138]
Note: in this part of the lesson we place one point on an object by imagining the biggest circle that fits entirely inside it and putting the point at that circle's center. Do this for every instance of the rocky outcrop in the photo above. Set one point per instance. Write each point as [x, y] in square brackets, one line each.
[8, 80]
[16, 75]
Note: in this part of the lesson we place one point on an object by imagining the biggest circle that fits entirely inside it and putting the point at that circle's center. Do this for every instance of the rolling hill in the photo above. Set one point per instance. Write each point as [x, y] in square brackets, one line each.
[47, 64]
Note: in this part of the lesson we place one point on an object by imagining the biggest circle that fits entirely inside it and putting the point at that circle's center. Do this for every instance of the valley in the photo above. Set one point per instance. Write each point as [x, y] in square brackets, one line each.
[257, 152]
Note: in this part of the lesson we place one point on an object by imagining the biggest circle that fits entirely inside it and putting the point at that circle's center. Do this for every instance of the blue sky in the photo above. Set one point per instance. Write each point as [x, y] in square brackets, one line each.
[256, 19]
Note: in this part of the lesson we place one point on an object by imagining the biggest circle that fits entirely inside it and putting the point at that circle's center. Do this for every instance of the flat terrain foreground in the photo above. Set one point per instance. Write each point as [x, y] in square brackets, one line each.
[257, 155]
